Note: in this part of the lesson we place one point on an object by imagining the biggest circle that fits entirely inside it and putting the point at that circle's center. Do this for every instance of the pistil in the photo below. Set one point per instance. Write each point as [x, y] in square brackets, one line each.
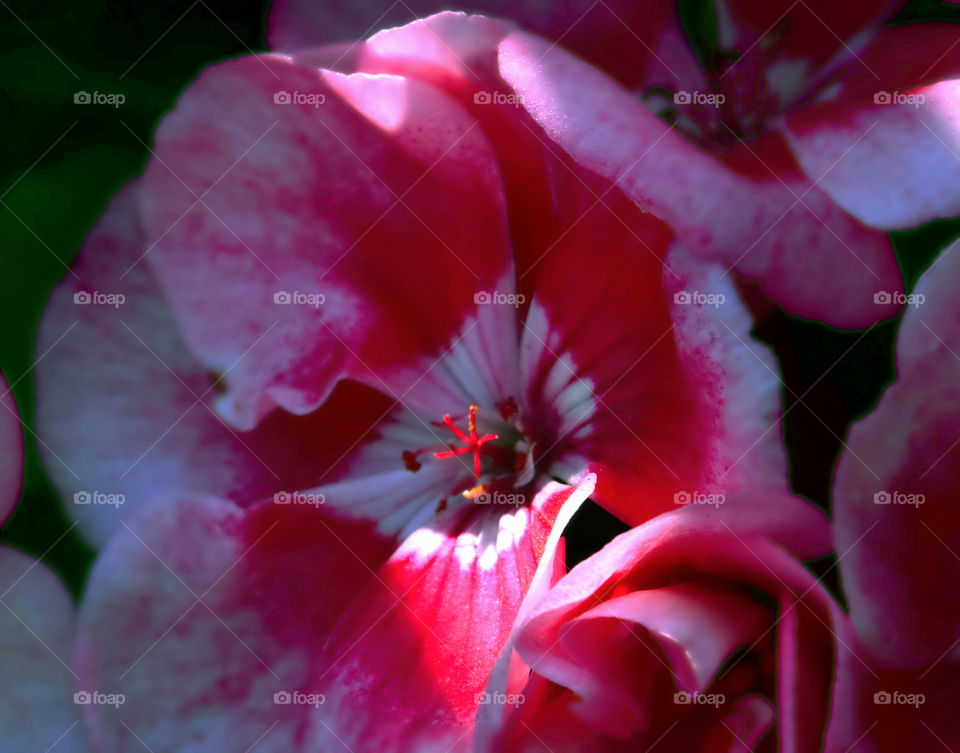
[473, 442]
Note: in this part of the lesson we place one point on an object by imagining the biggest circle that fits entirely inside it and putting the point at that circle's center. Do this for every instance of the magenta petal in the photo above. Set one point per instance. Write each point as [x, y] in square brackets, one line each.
[810, 33]
[890, 165]
[510, 673]
[38, 709]
[11, 451]
[736, 381]
[417, 650]
[878, 709]
[700, 624]
[897, 525]
[132, 367]
[299, 24]
[200, 612]
[296, 600]
[807, 644]
[307, 199]
[640, 45]
[791, 231]
[697, 628]
[903, 58]
[748, 721]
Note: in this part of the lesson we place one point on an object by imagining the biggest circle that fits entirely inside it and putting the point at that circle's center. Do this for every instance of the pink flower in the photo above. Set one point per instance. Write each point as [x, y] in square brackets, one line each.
[879, 708]
[678, 635]
[371, 314]
[36, 626]
[898, 535]
[809, 131]
[11, 452]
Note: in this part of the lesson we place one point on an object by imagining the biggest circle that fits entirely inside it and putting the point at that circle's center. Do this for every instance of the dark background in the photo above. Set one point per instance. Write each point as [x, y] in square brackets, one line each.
[61, 162]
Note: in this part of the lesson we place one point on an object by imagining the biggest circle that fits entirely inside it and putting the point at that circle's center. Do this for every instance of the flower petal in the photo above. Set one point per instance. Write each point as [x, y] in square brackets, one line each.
[791, 231]
[681, 573]
[890, 165]
[38, 710]
[258, 601]
[812, 34]
[130, 365]
[278, 198]
[657, 384]
[200, 612]
[878, 709]
[418, 648]
[639, 45]
[901, 58]
[695, 628]
[895, 490]
[11, 452]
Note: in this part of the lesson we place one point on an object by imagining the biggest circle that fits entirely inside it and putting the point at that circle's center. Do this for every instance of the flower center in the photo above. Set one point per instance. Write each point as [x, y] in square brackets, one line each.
[495, 454]
[473, 442]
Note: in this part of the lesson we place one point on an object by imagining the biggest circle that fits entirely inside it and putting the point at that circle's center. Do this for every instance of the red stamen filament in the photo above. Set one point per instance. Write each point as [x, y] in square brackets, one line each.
[473, 441]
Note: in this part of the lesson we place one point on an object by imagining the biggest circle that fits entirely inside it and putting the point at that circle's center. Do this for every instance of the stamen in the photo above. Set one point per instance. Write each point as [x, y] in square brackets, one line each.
[474, 492]
[474, 442]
